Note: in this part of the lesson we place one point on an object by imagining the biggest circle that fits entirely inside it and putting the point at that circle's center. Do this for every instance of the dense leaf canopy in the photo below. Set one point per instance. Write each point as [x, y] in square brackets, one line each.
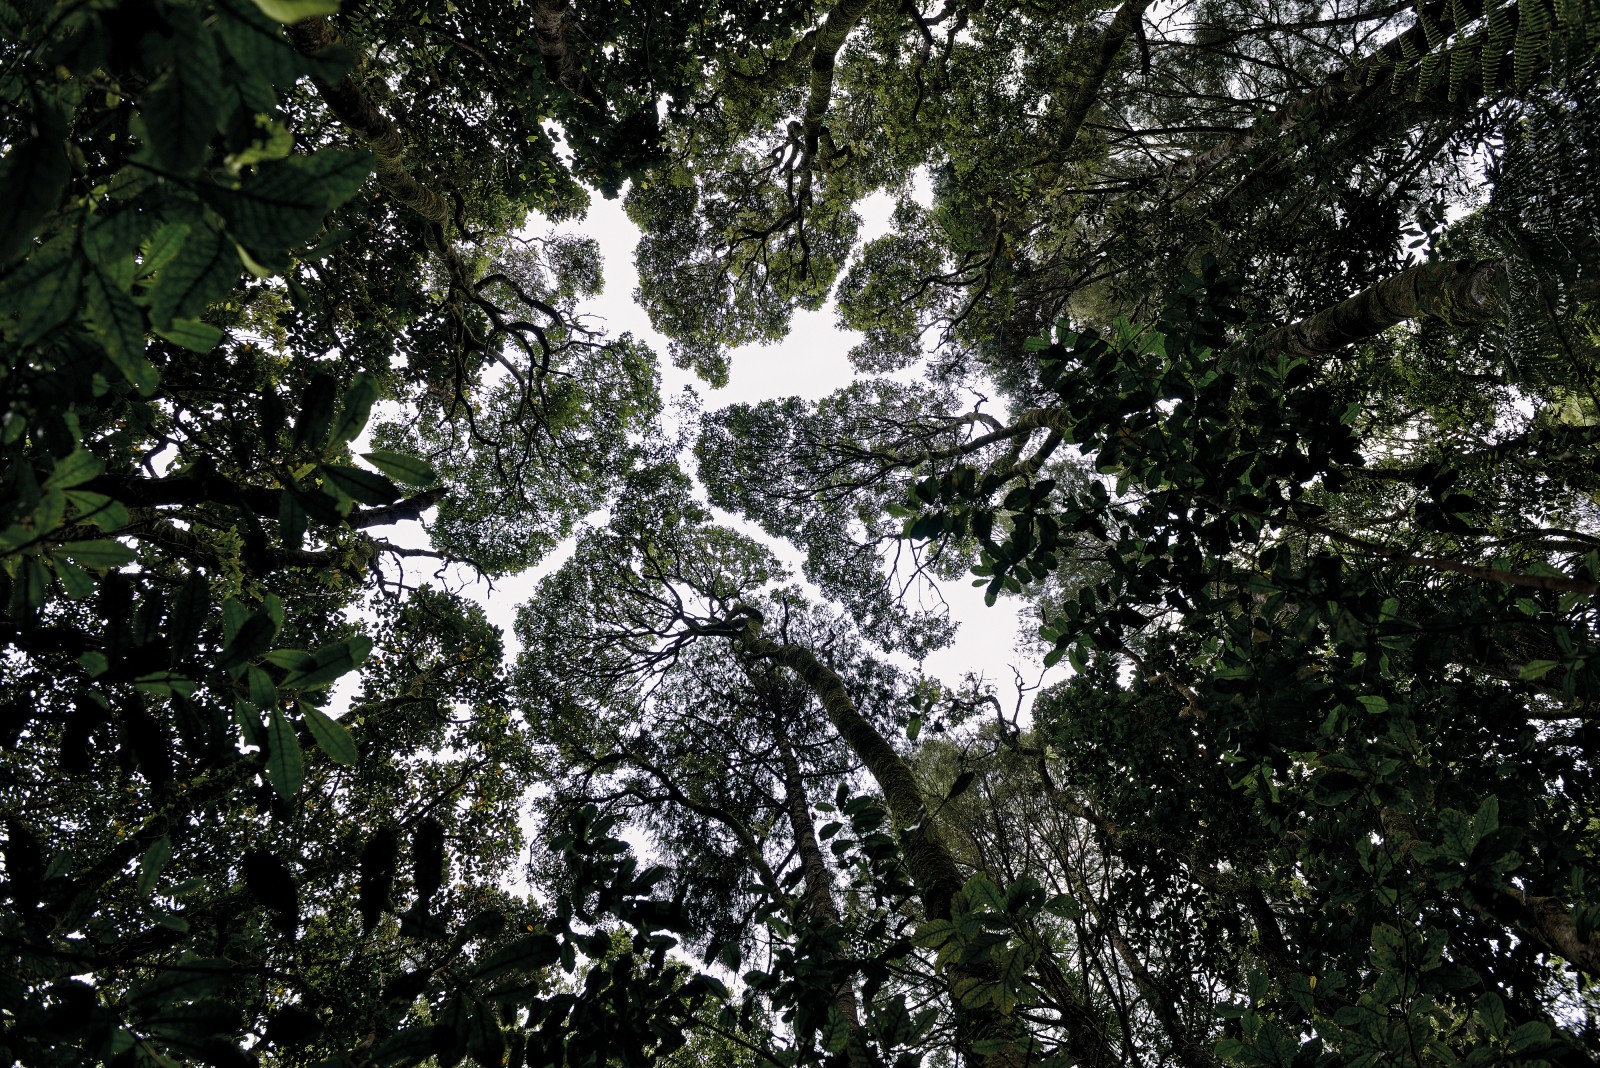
[1251, 347]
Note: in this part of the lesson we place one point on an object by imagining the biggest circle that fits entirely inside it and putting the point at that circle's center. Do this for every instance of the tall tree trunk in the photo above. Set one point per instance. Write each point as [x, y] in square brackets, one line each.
[1342, 90]
[351, 104]
[550, 22]
[1464, 291]
[819, 888]
[929, 861]
[1112, 39]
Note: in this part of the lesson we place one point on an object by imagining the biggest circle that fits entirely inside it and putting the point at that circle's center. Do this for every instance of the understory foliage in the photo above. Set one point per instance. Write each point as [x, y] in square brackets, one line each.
[1251, 347]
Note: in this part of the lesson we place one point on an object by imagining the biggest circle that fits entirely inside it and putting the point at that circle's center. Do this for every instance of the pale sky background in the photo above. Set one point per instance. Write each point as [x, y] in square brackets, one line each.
[810, 362]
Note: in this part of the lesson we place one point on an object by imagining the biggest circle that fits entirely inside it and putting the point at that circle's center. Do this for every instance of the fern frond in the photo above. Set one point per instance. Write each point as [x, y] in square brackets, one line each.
[1427, 72]
[1461, 63]
[1502, 32]
[1533, 38]
[1463, 13]
[1431, 30]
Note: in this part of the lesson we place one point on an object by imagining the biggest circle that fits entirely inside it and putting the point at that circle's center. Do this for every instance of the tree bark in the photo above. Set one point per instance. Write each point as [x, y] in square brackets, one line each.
[375, 130]
[1462, 291]
[1111, 41]
[819, 889]
[928, 860]
[550, 22]
[1343, 89]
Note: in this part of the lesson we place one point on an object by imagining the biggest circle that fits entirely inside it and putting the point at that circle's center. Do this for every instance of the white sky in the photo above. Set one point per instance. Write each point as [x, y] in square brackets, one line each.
[810, 362]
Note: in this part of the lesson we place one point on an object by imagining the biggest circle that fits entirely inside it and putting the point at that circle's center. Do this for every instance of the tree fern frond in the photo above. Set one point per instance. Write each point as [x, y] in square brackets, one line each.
[1427, 72]
[1431, 30]
[1461, 63]
[1532, 41]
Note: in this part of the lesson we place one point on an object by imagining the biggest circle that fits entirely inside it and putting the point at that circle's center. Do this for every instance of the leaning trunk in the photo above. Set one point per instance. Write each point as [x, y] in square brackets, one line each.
[819, 890]
[928, 860]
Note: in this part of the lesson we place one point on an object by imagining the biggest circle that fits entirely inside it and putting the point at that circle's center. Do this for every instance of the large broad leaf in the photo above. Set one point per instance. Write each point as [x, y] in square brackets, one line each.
[328, 663]
[180, 108]
[355, 408]
[378, 862]
[292, 11]
[117, 322]
[97, 554]
[189, 977]
[525, 954]
[285, 765]
[270, 880]
[254, 635]
[192, 334]
[33, 176]
[155, 858]
[203, 270]
[256, 42]
[427, 858]
[43, 292]
[74, 469]
[362, 486]
[282, 204]
[402, 468]
[330, 734]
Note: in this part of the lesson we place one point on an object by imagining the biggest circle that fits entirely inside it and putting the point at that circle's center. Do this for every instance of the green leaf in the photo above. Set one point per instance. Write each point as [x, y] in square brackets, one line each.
[526, 954]
[77, 582]
[982, 893]
[289, 12]
[285, 766]
[116, 321]
[165, 684]
[192, 977]
[203, 271]
[192, 334]
[97, 508]
[403, 469]
[362, 486]
[1374, 704]
[32, 583]
[355, 409]
[257, 43]
[155, 858]
[98, 553]
[836, 1031]
[328, 663]
[331, 735]
[254, 635]
[179, 109]
[33, 176]
[74, 470]
[263, 694]
[291, 659]
[44, 289]
[316, 412]
[1537, 669]
[281, 205]
[163, 245]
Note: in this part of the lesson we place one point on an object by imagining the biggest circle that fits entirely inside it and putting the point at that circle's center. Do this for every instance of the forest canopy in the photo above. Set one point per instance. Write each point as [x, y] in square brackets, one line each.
[1251, 347]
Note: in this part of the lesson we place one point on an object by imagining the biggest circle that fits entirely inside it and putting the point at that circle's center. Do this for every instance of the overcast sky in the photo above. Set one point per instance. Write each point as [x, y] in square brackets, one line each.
[810, 362]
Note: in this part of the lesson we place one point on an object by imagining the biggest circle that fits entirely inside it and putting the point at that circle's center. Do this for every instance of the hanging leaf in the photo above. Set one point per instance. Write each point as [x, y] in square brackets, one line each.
[331, 735]
[289, 12]
[272, 884]
[427, 858]
[150, 864]
[378, 862]
[285, 766]
[402, 468]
